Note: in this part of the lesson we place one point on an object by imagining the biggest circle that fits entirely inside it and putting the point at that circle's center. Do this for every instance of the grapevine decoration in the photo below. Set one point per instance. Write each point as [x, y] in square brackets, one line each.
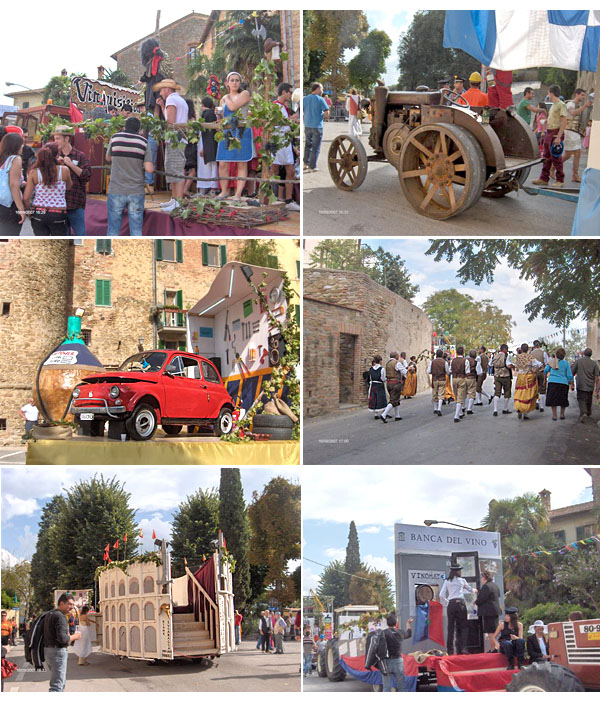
[148, 557]
[283, 375]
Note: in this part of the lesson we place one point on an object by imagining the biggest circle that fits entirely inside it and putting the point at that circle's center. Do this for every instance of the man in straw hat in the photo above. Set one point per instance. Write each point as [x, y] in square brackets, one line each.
[175, 110]
[81, 172]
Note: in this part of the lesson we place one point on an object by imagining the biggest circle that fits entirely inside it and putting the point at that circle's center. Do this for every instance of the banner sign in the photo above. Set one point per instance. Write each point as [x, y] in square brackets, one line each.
[87, 94]
[62, 358]
[412, 538]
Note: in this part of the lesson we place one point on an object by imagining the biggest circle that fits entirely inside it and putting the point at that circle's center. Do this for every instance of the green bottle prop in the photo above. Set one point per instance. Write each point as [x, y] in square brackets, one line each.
[61, 371]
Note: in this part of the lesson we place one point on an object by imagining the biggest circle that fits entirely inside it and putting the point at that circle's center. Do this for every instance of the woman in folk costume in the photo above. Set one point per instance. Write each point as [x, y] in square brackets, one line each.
[352, 108]
[377, 396]
[526, 388]
[449, 392]
[410, 384]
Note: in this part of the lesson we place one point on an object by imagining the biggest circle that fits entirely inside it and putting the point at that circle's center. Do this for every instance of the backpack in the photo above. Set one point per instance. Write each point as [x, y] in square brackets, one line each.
[6, 197]
[377, 653]
[34, 642]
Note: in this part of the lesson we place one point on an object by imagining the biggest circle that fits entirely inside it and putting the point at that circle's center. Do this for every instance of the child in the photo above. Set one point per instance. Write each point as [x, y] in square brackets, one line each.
[207, 151]
[540, 125]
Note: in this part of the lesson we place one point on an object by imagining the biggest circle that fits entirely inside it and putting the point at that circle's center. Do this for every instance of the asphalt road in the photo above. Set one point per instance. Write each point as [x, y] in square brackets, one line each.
[246, 670]
[379, 208]
[353, 437]
[13, 455]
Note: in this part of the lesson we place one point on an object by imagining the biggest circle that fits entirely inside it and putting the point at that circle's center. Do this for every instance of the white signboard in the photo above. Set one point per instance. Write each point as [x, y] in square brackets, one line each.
[62, 358]
[426, 577]
[412, 538]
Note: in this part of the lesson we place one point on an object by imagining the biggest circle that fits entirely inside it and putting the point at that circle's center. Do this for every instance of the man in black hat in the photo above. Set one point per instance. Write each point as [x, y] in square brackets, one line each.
[453, 592]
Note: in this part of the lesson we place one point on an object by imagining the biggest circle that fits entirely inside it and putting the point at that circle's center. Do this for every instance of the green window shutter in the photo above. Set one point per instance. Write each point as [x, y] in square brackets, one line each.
[204, 253]
[180, 320]
[159, 249]
[99, 245]
[181, 346]
[179, 299]
[107, 293]
[99, 291]
[179, 251]
[161, 344]
[165, 296]
[297, 313]
[297, 269]
[108, 245]
[103, 293]
[223, 253]
[272, 262]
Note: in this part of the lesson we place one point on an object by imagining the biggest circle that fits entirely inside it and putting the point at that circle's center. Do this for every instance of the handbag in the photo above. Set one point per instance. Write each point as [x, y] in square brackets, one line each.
[6, 197]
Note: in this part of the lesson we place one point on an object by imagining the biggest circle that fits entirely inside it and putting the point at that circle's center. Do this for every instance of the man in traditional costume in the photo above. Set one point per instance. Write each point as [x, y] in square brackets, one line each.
[502, 379]
[481, 366]
[439, 371]
[471, 381]
[459, 369]
[394, 373]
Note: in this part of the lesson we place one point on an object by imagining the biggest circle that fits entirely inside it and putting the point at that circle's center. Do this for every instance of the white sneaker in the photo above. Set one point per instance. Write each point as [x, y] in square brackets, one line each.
[168, 205]
[293, 206]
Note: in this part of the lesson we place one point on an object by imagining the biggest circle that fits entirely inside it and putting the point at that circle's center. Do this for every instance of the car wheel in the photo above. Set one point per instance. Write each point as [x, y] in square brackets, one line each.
[224, 423]
[143, 423]
[172, 429]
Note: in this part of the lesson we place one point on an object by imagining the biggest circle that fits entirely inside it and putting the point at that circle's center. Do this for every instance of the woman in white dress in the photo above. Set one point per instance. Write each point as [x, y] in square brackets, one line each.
[352, 108]
[83, 646]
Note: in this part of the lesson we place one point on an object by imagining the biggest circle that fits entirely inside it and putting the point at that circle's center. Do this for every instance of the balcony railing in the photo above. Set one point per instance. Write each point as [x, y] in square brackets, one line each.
[171, 318]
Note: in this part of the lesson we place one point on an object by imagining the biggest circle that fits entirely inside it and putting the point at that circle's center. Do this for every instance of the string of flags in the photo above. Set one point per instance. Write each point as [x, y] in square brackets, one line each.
[567, 548]
[231, 26]
[559, 334]
[106, 556]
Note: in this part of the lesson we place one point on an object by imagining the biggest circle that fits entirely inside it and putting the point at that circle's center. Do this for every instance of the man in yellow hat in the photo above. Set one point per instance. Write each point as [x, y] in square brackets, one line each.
[175, 109]
[474, 96]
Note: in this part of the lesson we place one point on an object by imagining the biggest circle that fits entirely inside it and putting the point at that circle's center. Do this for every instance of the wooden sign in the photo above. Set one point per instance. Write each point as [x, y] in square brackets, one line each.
[87, 94]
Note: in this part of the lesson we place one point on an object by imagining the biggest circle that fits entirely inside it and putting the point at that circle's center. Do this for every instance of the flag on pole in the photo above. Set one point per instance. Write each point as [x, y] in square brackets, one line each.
[116, 544]
[185, 561]
[106, 548]
[75, 114]
[105, 556]
[141, 534]
[125, 537]
[153, 534]
[512, 39]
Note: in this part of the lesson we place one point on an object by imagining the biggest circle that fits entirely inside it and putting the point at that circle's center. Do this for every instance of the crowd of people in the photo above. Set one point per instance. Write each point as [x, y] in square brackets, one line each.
[540, 380]
[272, 630]
[50, 186]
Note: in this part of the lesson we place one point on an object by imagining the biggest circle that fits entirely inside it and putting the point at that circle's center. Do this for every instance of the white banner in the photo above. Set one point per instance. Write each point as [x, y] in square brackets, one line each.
[412, 538]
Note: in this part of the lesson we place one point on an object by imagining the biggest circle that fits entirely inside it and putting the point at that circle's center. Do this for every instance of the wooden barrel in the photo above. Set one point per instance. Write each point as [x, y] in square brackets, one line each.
[66, 366]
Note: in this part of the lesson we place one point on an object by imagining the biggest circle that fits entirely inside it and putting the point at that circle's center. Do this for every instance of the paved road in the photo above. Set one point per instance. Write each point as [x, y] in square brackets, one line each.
[12, 455]
[353, 437]
[246, 670]
[379, 208]
[313, 683]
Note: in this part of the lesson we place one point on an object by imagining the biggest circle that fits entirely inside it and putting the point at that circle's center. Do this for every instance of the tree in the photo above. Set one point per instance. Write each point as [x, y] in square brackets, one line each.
[332, 583]
[58, 89]
[564, 272]
[16, 583]
[580, 574]
[234, 525]
[383, 267]
[195, 525]
[313, 58]
[575, 342]
[366, 67]
[352, 564]
[332, 32]
[297, 580]
[371, 587]
[274, 518]
[422, 58]
[46, 569]
[118, 77]
[259, 252]
[566, 79]
[467, 322]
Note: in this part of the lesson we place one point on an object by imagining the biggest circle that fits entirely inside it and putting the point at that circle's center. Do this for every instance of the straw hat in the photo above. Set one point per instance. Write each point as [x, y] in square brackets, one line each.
[168, 83]
[538, 622]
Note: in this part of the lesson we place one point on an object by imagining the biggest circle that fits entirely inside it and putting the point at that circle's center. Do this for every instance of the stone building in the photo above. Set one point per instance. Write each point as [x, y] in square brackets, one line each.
[135, 295]
[347, 319]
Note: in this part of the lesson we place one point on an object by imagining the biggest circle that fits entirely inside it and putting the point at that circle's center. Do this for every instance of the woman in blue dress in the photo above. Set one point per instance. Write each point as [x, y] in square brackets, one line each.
[559, 380]
[236, 99]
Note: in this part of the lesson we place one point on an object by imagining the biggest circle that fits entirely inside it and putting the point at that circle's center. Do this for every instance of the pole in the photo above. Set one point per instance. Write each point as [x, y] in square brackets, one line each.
[157, 28]
[594, 150]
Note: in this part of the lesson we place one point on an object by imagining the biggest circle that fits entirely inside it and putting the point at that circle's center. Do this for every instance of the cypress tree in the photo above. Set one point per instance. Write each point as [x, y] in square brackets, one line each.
[352, 564]
[233, 522]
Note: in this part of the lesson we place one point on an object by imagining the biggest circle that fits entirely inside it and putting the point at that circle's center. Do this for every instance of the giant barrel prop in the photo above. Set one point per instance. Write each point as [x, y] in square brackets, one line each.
[61, 371]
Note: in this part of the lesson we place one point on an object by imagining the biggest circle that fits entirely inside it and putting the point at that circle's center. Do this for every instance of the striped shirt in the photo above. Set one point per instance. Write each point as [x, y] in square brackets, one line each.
[127, 153]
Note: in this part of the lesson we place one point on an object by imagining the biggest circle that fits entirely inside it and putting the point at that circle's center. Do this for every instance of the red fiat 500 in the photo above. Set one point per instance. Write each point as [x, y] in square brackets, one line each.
[170, 388]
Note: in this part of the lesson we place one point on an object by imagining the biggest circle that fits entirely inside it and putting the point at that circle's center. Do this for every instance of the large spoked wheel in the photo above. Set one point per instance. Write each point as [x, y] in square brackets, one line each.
[442, 170]
[503, 187]
[347, 162]
[142, 424]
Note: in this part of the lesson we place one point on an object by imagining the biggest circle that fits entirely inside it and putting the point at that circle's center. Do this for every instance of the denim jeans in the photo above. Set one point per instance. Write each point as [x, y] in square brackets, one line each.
[395, 666]
[115, 204]
[153, 144]
[307, 668]
[56, 659]
[312, 145]
[77, 221]
[237, 634]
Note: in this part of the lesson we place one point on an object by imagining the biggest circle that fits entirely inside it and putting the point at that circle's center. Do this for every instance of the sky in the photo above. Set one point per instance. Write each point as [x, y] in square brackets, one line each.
[375, 500]
[155, 494]
[508, 291]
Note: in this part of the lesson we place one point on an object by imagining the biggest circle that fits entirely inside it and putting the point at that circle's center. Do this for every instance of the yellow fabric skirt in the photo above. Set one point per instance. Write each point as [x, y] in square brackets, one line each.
[526, 392]
[449, 391]
[410, 385]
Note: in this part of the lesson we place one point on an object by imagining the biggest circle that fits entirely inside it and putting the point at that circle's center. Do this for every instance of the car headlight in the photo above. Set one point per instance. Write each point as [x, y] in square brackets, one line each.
[76, 393]
[114, 391]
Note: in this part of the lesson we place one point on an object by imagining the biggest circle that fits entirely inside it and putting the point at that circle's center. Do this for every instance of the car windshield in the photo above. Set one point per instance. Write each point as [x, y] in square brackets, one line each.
[149, 362]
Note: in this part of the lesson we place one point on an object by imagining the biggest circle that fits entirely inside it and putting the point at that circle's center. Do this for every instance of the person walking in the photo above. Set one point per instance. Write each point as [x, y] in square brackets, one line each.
[308, 647]
[83, 647]
[353, 109]
[377, 378]
[410, 382]
[559, 379]
[279, 630]
[540, 355]
[481, 366]
[57, 640]
[395, 663]
[502, 379]
[509, 635]
[488, 607]
[46, 193]
[588, 380]
[394, 372]
[314, 108]
[264, 627]
[459, 369]
[526, 387]
[555, 129]
[575, 130]
[453, 595]
[439, 370]
[7, 628]
[471, 379]
[130, 158]
[12, 207]
[238, 627]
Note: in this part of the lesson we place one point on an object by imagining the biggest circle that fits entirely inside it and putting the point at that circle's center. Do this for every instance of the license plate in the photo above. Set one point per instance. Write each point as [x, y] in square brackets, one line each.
[86, 416]
[594, 636]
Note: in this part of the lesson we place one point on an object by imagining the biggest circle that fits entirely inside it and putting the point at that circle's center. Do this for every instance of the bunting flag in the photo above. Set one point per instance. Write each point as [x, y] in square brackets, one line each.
[125, 537]
[141, 534]
[567, 548]
[109, 560]
[105, 556]
[106, 548]
[153, 534]
[185, 561]
[203, 558]
[116, 544]
[429, 623]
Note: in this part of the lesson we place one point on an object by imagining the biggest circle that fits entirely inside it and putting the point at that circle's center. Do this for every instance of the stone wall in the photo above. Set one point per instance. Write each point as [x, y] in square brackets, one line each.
[345, 302]
[34, 283]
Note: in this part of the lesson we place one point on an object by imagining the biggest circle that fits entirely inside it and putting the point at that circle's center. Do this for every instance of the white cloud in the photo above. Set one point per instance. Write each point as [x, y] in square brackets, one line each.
[335, 553]
[370, 530]
[380, 563]
[13, 506]
[158, 524]
[310, 579]
[27, 542]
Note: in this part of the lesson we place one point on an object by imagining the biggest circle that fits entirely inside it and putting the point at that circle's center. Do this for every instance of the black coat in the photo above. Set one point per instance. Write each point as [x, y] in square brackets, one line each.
[533, 648]
[209, 142]
[488, 601]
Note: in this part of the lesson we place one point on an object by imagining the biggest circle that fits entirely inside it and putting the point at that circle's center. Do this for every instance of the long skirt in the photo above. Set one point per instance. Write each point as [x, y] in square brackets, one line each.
[377, 397]
[526, 392]
[557, 395]
[410, 385]
[449, 395]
